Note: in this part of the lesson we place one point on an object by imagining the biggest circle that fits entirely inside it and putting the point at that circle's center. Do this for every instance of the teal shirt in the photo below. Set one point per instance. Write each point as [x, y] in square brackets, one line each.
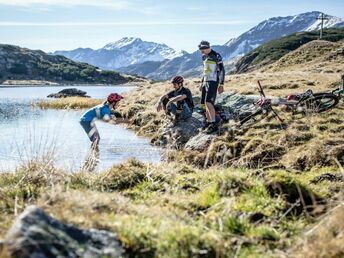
[97, 112]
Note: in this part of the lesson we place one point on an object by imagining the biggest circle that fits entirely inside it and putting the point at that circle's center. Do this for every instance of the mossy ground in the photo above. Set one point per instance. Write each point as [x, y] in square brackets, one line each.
[175, 210]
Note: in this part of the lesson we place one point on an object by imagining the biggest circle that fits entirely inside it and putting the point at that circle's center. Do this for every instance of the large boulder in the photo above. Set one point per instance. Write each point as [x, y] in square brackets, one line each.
[199, 142]
[235, 103]
[35, 234]
[176, 136]
[71, 92]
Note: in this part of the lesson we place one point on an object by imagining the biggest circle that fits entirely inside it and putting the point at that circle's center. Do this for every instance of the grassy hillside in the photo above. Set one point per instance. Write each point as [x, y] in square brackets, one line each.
[316, 56]
[24, 64]
[263, 191]
[275, 49]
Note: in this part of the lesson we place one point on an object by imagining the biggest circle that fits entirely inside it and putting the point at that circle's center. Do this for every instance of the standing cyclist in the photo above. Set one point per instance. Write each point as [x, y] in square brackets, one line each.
[212, 82]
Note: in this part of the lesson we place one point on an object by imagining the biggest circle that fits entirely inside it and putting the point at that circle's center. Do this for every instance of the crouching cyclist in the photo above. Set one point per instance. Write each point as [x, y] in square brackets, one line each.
[102, 112]
[178, 103]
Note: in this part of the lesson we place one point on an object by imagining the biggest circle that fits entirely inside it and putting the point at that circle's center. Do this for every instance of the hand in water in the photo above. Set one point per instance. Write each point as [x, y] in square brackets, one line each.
[122, 121]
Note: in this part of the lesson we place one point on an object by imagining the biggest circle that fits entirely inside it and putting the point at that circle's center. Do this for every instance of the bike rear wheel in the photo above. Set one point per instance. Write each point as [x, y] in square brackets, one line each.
[319, 102]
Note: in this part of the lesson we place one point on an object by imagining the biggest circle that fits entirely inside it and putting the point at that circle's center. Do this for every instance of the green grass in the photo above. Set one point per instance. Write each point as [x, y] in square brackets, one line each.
[169, 210]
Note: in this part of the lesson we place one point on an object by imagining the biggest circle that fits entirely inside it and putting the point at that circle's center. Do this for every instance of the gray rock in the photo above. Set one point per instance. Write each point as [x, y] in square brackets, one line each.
[199, 142]
[71, 92]
[176, 136]
[233, 102]
[236, 103]
[37, 235]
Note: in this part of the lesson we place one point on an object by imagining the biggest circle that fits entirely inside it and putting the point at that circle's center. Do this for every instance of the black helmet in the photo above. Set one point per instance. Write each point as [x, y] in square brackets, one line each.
[204, 45]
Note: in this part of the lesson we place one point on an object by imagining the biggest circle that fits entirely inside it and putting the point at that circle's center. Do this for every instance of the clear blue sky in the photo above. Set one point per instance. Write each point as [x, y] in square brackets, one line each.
[66, 24]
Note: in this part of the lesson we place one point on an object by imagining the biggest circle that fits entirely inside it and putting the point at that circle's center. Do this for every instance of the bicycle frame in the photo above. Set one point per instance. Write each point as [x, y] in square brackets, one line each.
[266, 103]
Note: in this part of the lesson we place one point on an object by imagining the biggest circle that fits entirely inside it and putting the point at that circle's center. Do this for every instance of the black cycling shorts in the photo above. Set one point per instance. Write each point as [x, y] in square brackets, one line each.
[209, 91]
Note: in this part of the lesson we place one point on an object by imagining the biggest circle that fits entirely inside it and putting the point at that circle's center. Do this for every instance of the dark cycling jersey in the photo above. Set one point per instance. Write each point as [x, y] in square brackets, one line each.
[213, 68]
[182, 91]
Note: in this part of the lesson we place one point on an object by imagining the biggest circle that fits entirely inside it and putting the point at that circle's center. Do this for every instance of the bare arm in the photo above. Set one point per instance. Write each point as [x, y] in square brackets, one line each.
[159, 104]
[121, 121]
[178, 98]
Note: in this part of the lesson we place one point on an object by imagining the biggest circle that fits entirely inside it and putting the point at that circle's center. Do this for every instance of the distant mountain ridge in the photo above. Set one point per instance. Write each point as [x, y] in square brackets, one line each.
[277, 27]
[160, 62]
[18, 63]
[124, 52]
[274, 28]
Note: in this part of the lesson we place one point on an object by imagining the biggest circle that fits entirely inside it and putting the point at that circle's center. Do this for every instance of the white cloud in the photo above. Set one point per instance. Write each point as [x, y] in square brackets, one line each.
[115, 4]
[95, 24]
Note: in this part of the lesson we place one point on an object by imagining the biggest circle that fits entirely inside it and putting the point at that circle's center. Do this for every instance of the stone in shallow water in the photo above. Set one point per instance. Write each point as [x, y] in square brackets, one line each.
[35, 234]
[71, 92]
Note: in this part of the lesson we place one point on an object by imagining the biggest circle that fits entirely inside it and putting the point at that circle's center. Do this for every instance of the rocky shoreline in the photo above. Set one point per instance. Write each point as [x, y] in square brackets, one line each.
[34, 83]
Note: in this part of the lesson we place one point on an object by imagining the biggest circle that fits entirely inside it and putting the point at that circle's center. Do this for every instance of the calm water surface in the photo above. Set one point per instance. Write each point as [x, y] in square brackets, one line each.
[27, 133]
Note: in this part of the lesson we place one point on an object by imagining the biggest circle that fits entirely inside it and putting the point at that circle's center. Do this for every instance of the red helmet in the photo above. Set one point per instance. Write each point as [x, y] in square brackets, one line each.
[178, 79]
[291, 97]
[114, 97]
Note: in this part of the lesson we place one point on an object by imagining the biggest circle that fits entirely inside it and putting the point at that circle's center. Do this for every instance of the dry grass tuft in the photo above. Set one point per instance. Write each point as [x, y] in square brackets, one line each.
[68, 103]
[324, 239]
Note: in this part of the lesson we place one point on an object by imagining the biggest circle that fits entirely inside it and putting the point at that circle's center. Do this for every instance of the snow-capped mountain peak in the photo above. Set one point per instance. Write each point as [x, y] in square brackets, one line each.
[122, 43]
[124, 52]
[277, 27]
[329, 21]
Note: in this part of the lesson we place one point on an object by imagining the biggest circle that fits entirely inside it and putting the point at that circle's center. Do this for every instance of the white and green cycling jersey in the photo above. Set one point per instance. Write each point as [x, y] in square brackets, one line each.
[213, 68]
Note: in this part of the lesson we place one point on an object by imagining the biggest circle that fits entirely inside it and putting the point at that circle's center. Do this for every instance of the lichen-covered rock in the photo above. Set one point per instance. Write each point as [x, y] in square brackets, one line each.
[71, 92]
[35, 234]
[199, 142]
[177, 136]
[236, 103]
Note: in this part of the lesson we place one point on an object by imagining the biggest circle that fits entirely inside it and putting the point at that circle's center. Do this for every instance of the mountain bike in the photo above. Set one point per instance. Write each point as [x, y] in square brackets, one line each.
[309, 102]
[262, 108]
